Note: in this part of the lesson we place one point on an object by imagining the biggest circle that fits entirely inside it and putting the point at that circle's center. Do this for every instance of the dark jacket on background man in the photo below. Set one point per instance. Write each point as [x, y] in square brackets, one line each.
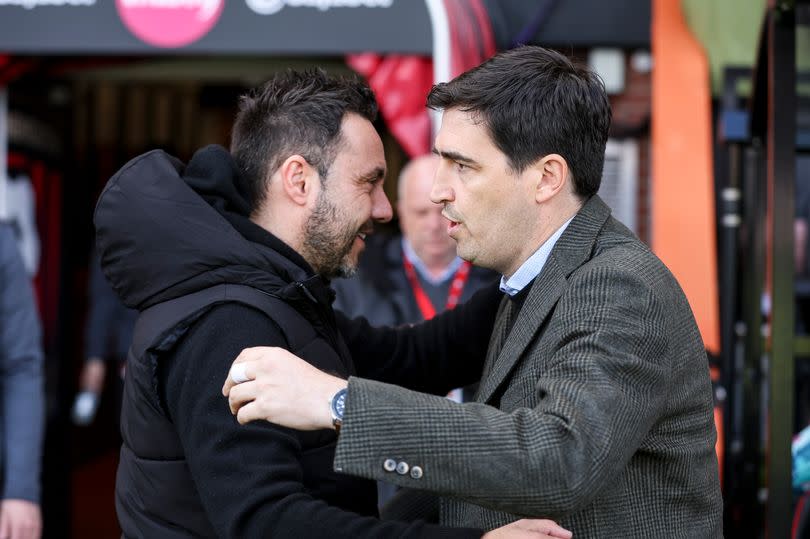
[166, 234]
[380, 291]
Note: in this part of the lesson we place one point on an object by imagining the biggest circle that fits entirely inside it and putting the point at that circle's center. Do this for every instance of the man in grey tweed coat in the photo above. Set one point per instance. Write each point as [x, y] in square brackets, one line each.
[595, 405]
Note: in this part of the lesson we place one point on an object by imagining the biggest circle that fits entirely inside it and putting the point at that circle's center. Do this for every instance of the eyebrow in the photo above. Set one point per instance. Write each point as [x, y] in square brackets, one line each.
[454, 156]
[375, 174]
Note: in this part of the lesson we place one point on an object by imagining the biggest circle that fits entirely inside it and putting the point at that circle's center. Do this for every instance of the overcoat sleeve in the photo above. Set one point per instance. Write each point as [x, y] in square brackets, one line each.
[598, 381]
[434, 356]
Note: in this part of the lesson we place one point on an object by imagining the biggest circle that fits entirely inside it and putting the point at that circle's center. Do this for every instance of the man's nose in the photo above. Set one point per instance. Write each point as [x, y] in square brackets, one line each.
[441, 191]
[381, 210]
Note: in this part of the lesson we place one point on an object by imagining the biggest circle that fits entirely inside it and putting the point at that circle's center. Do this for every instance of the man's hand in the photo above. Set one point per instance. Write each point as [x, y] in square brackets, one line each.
[20, 519]
[281, 388]
[529, 529]
[93, 373]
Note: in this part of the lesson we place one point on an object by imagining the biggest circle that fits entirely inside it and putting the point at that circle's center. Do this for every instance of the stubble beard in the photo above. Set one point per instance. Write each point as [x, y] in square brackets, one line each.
[328, 240]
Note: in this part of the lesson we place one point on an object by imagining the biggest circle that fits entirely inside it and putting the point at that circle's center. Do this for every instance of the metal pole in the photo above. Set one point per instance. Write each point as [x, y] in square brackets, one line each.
[442, 46]
[747, 515]
[780, 163]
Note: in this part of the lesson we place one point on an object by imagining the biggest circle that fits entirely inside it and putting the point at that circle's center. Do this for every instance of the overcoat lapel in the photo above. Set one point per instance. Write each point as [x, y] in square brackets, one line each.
[499, 334]
[544, 294]
[572, 250]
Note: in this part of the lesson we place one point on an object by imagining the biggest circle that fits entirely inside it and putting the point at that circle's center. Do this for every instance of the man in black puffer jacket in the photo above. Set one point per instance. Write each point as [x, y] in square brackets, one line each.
[230, 251]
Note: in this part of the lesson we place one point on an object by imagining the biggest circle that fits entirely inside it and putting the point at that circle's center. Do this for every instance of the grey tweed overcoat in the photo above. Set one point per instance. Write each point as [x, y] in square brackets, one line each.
[595, 410]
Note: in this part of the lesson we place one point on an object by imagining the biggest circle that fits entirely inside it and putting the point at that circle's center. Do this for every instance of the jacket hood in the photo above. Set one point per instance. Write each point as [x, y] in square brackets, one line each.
[164, 229]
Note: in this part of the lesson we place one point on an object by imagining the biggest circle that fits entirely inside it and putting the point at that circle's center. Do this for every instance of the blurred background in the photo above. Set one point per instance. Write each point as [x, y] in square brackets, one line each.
[708, 162]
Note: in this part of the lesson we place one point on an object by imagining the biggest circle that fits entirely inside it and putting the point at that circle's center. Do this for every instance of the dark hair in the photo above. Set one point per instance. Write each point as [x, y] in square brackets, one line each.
[295, 112]
[535, 102]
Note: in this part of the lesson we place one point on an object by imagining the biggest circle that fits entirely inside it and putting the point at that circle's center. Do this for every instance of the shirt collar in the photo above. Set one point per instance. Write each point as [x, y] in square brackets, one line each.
[532, 267]
[421, 267]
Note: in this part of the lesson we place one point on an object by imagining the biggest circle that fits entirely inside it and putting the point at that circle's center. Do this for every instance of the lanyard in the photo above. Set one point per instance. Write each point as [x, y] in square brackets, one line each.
[422, 299]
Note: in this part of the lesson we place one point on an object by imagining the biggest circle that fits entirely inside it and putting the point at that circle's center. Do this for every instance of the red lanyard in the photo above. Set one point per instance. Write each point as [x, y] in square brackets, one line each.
[422, 299]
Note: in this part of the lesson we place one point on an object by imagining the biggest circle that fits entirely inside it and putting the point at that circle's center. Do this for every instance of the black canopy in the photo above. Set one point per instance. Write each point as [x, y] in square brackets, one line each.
[303, 27]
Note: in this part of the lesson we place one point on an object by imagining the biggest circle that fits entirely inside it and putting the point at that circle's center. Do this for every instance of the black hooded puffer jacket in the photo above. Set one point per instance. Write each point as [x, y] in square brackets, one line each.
[167, 231]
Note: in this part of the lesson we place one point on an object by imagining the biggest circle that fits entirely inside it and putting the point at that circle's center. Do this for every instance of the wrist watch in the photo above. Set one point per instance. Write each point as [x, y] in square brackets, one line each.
[338, 404]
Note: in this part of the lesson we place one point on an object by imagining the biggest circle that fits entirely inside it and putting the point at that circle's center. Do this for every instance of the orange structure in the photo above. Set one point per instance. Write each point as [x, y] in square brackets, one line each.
[683, 215]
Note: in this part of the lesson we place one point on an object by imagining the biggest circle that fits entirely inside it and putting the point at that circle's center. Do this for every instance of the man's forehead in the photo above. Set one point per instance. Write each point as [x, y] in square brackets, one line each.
[457, 129]
[460, 117]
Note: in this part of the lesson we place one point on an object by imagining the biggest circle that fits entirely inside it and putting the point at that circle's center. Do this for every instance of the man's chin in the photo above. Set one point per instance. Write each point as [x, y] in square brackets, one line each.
[465, 254]
[348, 266]
[346, 270]
[349, 263]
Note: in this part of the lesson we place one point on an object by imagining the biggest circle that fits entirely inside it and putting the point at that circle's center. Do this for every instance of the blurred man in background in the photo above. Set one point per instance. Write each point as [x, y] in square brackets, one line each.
[21, 386]
[412, 277]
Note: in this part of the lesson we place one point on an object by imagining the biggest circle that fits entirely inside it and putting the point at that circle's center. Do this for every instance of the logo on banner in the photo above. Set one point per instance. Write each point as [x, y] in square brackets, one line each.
[269, 7]
[169, 23]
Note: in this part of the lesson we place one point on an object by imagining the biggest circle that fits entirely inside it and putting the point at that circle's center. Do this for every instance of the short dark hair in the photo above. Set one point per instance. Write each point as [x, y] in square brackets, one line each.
[294, 112]
[535, 102]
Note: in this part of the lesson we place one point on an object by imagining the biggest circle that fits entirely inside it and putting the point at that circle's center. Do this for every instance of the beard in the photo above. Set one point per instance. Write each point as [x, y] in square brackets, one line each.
[328, 239]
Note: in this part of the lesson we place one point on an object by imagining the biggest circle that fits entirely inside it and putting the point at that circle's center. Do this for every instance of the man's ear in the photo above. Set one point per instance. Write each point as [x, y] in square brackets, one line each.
[552, 177]
[298, 179]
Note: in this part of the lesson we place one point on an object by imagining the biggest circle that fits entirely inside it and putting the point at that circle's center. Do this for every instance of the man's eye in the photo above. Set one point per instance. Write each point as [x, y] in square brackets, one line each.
[461, 166]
